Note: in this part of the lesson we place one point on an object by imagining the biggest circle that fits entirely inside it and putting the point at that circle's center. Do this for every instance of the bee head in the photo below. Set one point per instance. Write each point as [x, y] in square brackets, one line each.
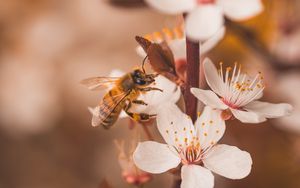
[141, 78]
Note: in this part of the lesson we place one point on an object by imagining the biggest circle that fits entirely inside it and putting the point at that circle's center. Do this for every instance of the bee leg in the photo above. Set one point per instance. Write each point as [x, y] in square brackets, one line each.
[141, 116]
[150, 89]
[136, 116]
[139, 102]
[154, 75]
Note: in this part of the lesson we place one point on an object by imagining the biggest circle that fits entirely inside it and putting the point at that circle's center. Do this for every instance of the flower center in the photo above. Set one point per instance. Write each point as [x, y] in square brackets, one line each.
[239, 89]
[228, 103]
[191, 154]
[205, 1]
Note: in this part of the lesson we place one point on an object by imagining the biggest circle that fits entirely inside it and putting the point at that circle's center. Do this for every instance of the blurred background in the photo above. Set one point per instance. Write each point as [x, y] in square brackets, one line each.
[48, 46]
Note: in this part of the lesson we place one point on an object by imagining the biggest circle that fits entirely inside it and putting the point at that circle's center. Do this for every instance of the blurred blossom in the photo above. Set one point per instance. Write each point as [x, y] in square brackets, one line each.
[198, 27]
[288, 86]
[237, 94]
[130, 172]
[29, 99]
[286, 46]
[48, 36]
[193, 146]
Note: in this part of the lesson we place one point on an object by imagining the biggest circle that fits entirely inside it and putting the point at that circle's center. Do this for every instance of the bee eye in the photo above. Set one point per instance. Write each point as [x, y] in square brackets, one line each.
[140, 81]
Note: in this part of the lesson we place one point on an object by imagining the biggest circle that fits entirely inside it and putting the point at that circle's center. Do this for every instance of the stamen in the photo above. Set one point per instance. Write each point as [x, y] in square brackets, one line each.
[168, 33]
[221, 70]
[157, 36]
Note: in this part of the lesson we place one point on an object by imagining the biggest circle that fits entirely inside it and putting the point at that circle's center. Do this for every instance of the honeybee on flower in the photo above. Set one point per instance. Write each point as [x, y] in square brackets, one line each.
[193, 146]
[237, 94]
[154, 99]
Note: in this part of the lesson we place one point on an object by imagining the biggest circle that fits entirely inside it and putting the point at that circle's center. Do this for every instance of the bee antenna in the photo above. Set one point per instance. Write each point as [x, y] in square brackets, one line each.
[143, 64]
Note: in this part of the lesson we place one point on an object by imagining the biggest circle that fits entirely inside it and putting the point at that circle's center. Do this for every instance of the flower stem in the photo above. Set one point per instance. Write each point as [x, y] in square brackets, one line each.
[147, 132]
[192, 80]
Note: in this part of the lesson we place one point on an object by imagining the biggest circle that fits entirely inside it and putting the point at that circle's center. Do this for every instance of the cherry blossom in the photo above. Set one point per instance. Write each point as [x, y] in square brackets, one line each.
[237, 94]
[193, 146]
[205, 17]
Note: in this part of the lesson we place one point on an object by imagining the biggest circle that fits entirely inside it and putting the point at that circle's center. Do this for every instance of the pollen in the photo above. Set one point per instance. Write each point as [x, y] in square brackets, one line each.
[184, 129]
[168, 33]
[211, 121]
[185, 140]
[199, 114]
[191, 131]
[158, 36]
[205, 134]
[167, 131]
[148, 37]
[217, 131]
[176, 139]
[171, 122]
[178, 32]
[175, 132]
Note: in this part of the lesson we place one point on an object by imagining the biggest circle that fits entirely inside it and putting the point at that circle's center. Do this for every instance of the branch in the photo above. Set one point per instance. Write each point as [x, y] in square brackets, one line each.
[192, 80]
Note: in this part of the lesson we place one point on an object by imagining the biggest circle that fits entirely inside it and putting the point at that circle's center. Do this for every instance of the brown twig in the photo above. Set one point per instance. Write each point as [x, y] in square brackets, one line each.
[192, 80]
[193, 67]
[256, 45]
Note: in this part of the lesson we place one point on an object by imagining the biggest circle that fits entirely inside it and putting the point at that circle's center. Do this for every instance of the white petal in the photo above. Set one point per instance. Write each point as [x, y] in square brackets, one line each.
[172, 123]
[209, 98]
[195, 176]
[96, 121]
[247, 116]
[140, 51]
[172, 6]
[171, 94]
[228, 161]
[212, 41]
[178, 47]
[241, 10]
[210, 127]
[203, 22]
[154, 157]
[123, 114]
[213, 79]
[269, 110]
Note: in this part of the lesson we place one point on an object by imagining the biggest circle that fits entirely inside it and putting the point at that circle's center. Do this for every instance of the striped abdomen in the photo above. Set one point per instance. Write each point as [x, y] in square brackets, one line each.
[110, 107]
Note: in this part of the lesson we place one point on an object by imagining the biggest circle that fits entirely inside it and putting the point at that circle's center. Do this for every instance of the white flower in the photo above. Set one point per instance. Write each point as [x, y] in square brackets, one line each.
[236, 94]
[193, 146]
[154, 99]
[205, 17]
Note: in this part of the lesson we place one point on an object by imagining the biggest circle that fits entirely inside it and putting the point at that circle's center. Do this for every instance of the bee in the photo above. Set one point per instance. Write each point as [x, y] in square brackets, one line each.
[125, 91]
[160, 58]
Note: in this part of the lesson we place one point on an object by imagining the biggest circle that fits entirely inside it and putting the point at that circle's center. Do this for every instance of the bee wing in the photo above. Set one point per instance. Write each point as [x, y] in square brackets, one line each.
[96, 83]
[106, 107]
[160, 55]
[144, 43]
